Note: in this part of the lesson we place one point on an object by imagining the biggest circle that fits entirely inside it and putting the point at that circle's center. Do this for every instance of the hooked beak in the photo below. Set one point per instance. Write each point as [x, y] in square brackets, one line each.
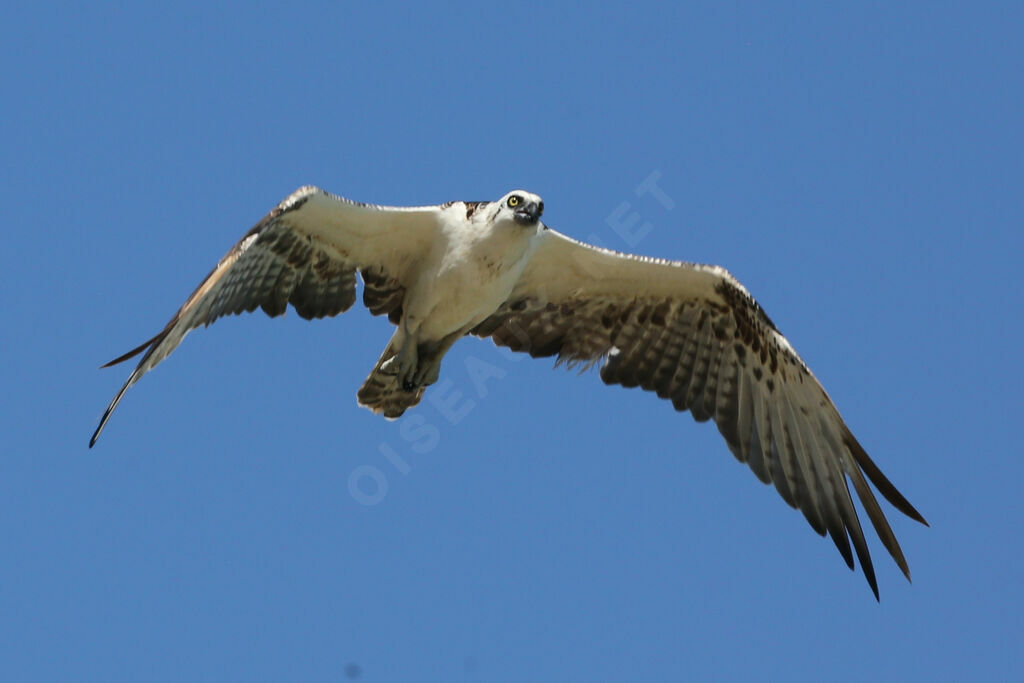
[528, 214]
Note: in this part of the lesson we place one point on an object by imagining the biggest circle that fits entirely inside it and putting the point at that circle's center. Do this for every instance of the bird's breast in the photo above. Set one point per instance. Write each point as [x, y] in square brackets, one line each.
[472, 280]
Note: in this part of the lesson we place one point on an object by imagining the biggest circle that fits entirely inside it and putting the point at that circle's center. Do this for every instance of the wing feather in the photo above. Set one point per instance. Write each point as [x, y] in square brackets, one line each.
[802, 455]
[727, 402]
[745, 435]
[692, 334]
[701, 368]
[786, 453]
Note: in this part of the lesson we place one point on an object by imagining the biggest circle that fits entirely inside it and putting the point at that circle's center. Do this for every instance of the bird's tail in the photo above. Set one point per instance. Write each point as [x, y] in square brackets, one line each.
[382, 393]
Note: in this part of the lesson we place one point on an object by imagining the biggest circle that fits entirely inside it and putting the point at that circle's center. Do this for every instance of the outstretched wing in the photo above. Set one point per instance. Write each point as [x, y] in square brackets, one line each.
[695, 336]
[305, 252]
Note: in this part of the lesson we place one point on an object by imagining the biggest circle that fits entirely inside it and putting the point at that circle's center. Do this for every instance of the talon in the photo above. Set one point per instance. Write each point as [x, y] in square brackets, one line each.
[402, 366]
[390, 366]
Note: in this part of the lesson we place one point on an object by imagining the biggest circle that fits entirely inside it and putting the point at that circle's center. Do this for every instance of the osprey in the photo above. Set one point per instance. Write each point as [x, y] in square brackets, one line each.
[691, 333]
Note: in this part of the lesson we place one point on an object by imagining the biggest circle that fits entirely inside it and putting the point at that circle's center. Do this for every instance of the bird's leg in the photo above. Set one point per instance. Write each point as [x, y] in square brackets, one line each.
[404, 363]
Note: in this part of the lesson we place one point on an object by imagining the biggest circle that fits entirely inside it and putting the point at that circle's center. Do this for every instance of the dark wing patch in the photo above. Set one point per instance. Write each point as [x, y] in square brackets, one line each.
[721, 358]
[382, 294]
[285, 267]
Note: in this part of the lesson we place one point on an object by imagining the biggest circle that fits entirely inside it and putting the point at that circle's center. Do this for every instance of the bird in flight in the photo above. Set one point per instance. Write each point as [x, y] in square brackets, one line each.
[689, 332]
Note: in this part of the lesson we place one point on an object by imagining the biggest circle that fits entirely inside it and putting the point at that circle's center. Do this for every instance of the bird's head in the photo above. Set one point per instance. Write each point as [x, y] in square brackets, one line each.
[520, 206]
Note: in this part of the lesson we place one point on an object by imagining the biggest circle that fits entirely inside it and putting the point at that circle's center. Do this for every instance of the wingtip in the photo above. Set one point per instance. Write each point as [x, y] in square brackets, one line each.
[909, 510]
[868, 570]
[110, 408]
[103, 423]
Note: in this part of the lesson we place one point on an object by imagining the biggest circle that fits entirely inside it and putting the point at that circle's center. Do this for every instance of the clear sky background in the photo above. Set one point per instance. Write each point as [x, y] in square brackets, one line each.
[859, 169]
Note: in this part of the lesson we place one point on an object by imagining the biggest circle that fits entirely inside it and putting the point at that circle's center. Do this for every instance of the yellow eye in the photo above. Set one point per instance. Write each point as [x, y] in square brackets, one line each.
[513, 201]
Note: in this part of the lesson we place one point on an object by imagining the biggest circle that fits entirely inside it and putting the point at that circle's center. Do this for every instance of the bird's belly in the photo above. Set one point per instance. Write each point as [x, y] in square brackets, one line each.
[463, 297]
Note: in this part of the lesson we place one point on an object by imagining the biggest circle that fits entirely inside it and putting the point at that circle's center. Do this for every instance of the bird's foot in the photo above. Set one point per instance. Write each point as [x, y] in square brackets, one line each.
[404, 366]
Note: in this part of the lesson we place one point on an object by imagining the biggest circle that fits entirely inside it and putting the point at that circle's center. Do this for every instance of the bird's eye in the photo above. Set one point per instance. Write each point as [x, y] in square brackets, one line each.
[514, 200]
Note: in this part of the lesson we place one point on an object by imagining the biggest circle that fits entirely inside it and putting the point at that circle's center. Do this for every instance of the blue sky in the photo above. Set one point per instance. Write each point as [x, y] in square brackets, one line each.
[859, 169]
